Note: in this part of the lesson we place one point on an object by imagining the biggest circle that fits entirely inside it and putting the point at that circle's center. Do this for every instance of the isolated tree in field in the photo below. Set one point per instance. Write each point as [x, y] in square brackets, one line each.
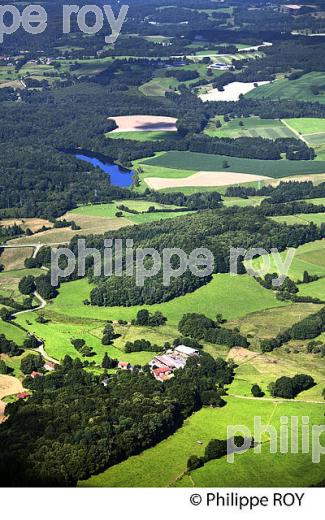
[27, 285]
[78, 343]
[142, 317]
[257, 391]
[108, 362]
[194, 462]
[218, 123]
[225, 165]
[215, 449]
[108, 334]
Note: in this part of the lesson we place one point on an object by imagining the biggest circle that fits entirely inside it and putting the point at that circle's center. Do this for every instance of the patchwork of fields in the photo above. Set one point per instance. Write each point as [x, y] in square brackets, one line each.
[191, 162]
[249, 127]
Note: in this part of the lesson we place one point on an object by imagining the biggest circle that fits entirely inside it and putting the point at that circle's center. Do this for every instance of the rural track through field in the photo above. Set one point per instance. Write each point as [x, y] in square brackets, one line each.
[275, 400]
[300, 136]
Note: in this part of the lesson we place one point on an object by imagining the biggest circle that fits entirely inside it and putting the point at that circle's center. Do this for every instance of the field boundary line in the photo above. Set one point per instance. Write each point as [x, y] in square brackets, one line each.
[301, 137]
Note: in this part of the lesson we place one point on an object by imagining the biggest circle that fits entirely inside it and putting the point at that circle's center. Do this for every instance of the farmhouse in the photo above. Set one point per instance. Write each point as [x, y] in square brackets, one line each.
[162, 373]
[187, 351]
[35, 374]
[163, 367]
[49, 366]
[123, 365]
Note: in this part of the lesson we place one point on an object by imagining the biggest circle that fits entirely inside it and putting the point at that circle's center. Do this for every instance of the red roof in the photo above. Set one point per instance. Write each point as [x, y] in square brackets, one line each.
[161, 370]
[23, 395]
[50, 364]
[35, 374]
[123, 364]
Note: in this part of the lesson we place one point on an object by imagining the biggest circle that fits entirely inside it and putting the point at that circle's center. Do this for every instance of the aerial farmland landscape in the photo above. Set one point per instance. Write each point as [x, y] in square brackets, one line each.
[162, 227]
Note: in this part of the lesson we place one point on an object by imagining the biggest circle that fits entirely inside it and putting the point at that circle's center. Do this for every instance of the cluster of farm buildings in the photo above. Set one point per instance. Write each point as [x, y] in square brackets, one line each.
[163, 366]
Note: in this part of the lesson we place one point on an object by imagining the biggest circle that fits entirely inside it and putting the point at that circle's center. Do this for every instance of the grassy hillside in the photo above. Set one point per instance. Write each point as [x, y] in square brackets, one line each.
[156, 466]
[308, 257]
[298, 90]
[230, 295]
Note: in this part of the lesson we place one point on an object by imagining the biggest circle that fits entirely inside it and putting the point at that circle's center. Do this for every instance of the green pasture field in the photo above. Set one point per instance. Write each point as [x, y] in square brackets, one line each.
[318, 201]
[315, 289]
[302, 218]
[231, 296]
[298, 90]
[109, 210]
[165, 464]
[242, 203]
[12, 332]
[143, 136]
[59, 331]
[206, 162]
[252, 127]
[308, 257]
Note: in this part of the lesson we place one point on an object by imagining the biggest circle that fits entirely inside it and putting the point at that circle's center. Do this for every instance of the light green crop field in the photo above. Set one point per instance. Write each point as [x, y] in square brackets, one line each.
[312, 130]
[307, 125]
[232, 296]
[308, 257]
[298, 90]
[165, 464]
[249, 127]
[109, 211]
[302, 218]
[205, 162]
[143, 136]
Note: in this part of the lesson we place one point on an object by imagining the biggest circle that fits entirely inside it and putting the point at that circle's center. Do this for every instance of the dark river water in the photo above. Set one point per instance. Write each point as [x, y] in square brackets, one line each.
[119, 176]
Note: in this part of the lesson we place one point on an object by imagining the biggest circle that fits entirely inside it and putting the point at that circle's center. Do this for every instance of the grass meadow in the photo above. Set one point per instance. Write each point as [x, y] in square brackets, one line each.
[109, 211]
[165, 464]
[308, 257]
[302, 218]
[232, 296]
